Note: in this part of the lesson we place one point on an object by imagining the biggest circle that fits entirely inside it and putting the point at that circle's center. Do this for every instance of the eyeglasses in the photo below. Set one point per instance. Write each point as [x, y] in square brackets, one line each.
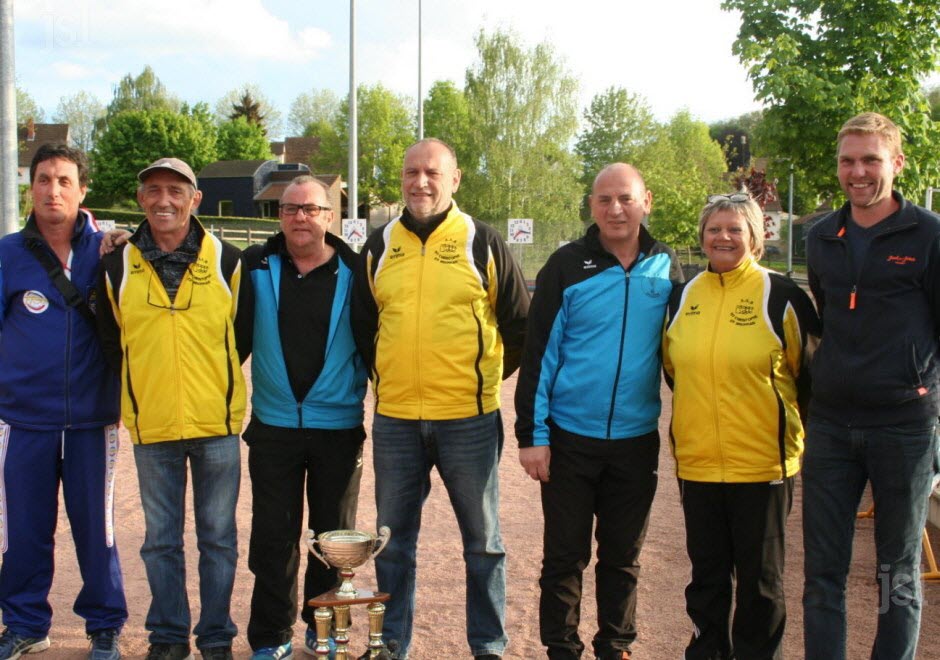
[735, 198]
[184, 295]
[310, 210]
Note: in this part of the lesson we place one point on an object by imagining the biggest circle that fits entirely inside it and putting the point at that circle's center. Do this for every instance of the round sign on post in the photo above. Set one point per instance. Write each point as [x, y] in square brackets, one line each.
[520, 230]
[354, 230]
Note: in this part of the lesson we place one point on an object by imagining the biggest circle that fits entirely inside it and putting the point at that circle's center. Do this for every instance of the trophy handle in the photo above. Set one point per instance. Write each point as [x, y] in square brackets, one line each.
[384, 535]
[312, 547]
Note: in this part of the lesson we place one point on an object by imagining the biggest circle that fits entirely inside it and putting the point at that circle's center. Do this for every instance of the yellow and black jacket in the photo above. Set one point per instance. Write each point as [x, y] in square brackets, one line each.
[735, 354]
[440, 318]
[180, 372]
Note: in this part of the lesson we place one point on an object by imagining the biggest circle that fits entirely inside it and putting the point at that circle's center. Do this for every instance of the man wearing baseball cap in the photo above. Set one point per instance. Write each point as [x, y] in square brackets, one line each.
[169, 302]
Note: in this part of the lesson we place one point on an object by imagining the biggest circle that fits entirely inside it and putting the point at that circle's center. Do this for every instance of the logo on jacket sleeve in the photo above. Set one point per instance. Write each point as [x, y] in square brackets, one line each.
[35, 302]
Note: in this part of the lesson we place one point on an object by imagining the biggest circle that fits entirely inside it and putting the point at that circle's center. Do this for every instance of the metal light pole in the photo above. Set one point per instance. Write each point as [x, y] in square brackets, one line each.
[352, 183]
[790, 224]
[9, 193]
[420, 95]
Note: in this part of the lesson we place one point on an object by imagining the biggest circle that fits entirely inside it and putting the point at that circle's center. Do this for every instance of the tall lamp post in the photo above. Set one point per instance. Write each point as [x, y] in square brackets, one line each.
[790, 223]
[420, 94]
[352, 183]
[9, 193]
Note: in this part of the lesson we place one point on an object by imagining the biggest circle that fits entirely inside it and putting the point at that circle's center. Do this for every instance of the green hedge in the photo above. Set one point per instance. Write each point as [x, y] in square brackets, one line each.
[136, 217]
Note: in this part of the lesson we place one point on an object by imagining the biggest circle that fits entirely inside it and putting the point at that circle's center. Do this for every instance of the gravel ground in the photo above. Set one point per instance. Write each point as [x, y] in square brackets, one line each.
[439, 617]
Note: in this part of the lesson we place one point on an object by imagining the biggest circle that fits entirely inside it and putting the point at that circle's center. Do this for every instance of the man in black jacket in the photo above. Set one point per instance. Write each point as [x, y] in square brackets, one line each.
[874, 269]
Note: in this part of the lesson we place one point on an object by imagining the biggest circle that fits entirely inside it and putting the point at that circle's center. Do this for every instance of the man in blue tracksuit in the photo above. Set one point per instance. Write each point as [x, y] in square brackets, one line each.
[587, 406]
[308, 383]
[59, 408]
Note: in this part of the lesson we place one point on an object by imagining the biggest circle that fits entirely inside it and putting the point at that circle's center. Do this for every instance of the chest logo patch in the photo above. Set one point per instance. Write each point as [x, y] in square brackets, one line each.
[397, 253]
[446, 253]
[35, 302]
[901, 260]
[743, 313]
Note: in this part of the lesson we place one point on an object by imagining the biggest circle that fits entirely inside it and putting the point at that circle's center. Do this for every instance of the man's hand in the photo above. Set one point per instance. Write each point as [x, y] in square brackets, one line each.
[535, 460]
[112, 240]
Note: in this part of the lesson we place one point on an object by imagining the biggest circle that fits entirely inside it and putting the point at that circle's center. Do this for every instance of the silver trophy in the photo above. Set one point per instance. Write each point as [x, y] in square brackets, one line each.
[346, 549]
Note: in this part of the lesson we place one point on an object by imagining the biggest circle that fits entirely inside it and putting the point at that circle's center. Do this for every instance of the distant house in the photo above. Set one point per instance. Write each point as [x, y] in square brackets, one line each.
[296, 149]
[252, 188]
[30, 137]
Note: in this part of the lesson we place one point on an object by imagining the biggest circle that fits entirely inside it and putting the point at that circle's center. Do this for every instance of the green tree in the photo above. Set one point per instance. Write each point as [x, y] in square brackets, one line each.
[618, 125]
[523, 117]
[81, 111]
[682, 166]
[933, 99]
[250, 102]
[135, 138]
[816, 63]
[143, 92]
[27, 108]
[240, 139]
[386, 129]
[315, 108]
[447, 116]
[737, 136]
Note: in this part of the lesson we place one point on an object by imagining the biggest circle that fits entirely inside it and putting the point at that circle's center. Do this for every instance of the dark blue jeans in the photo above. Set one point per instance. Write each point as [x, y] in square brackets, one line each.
[899, 463]
[466, 453]
[161, 471]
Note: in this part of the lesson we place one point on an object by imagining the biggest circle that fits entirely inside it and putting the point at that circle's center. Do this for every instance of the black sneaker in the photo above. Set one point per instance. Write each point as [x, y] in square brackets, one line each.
[13, 646]
[217, 653]
[104, 645]
[169, 652]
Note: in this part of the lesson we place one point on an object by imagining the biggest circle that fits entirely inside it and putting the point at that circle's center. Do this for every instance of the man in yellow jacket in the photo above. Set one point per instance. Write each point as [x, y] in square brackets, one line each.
[167, 305]
[439, 312]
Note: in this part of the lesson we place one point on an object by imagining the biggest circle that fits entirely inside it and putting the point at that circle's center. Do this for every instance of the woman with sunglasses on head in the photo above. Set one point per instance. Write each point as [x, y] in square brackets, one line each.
[735, 355]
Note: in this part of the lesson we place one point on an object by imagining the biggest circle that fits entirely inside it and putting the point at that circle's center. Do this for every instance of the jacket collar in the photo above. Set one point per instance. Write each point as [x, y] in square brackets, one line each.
[900, 219]
[592, 238]
[733, 277]
[83, 223]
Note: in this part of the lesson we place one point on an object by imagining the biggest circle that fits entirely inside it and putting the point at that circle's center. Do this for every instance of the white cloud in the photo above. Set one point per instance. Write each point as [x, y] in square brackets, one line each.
[72, 71]
[234, 29]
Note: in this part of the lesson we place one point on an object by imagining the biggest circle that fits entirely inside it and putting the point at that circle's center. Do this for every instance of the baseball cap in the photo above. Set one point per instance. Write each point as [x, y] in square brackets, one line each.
[171, 164]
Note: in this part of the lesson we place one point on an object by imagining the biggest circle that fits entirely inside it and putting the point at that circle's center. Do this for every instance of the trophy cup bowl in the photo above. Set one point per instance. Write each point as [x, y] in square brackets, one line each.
[346, 549]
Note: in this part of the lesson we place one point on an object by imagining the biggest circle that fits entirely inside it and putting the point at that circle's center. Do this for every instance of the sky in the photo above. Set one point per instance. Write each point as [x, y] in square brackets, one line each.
[675, 53]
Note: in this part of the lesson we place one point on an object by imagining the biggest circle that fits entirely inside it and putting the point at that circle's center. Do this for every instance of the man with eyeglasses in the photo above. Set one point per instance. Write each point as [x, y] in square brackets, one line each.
[587, 406]
[308, 383]
[874, 269]
[169, 301]
[441, 308]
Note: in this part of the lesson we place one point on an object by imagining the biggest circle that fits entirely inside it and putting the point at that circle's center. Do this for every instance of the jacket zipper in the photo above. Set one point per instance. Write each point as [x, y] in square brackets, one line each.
[714, 387]
[68, 367]
[623, 333]
[418, 334]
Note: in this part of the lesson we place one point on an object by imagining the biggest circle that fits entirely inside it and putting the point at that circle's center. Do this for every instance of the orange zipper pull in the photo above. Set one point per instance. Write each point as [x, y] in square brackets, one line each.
[852, 298]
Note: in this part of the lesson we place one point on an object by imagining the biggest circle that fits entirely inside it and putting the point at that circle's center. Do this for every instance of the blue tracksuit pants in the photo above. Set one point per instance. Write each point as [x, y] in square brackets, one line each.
[32, 463]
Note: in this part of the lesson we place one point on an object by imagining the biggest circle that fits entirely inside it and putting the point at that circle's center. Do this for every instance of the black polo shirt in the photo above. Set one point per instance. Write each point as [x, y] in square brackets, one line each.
[306, 303]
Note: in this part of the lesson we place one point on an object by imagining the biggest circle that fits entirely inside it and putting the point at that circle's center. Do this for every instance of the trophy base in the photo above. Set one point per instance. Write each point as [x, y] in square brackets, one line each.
[332, 598]
[333, 608]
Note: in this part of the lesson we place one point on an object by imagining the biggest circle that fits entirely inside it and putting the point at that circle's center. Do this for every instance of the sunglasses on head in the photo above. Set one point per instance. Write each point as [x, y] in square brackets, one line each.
[735, 198]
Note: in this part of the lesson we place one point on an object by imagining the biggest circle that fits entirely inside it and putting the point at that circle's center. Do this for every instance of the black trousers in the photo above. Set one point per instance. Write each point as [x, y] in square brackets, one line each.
[735, 539]
[280, 461]
[613, 481]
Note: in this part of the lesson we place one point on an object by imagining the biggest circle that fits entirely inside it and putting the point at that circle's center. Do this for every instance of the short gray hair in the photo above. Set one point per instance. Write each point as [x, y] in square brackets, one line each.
[749, 211]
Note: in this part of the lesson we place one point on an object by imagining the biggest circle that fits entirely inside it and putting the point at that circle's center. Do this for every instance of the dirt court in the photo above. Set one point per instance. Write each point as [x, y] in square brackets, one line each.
[439, 619]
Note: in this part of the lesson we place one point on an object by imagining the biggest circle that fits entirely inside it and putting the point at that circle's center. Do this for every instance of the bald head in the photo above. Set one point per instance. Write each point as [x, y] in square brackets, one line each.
[429, 178]
[618, 170]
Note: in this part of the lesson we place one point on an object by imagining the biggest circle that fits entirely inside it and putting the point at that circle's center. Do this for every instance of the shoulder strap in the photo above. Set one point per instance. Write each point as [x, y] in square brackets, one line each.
[54, 269]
